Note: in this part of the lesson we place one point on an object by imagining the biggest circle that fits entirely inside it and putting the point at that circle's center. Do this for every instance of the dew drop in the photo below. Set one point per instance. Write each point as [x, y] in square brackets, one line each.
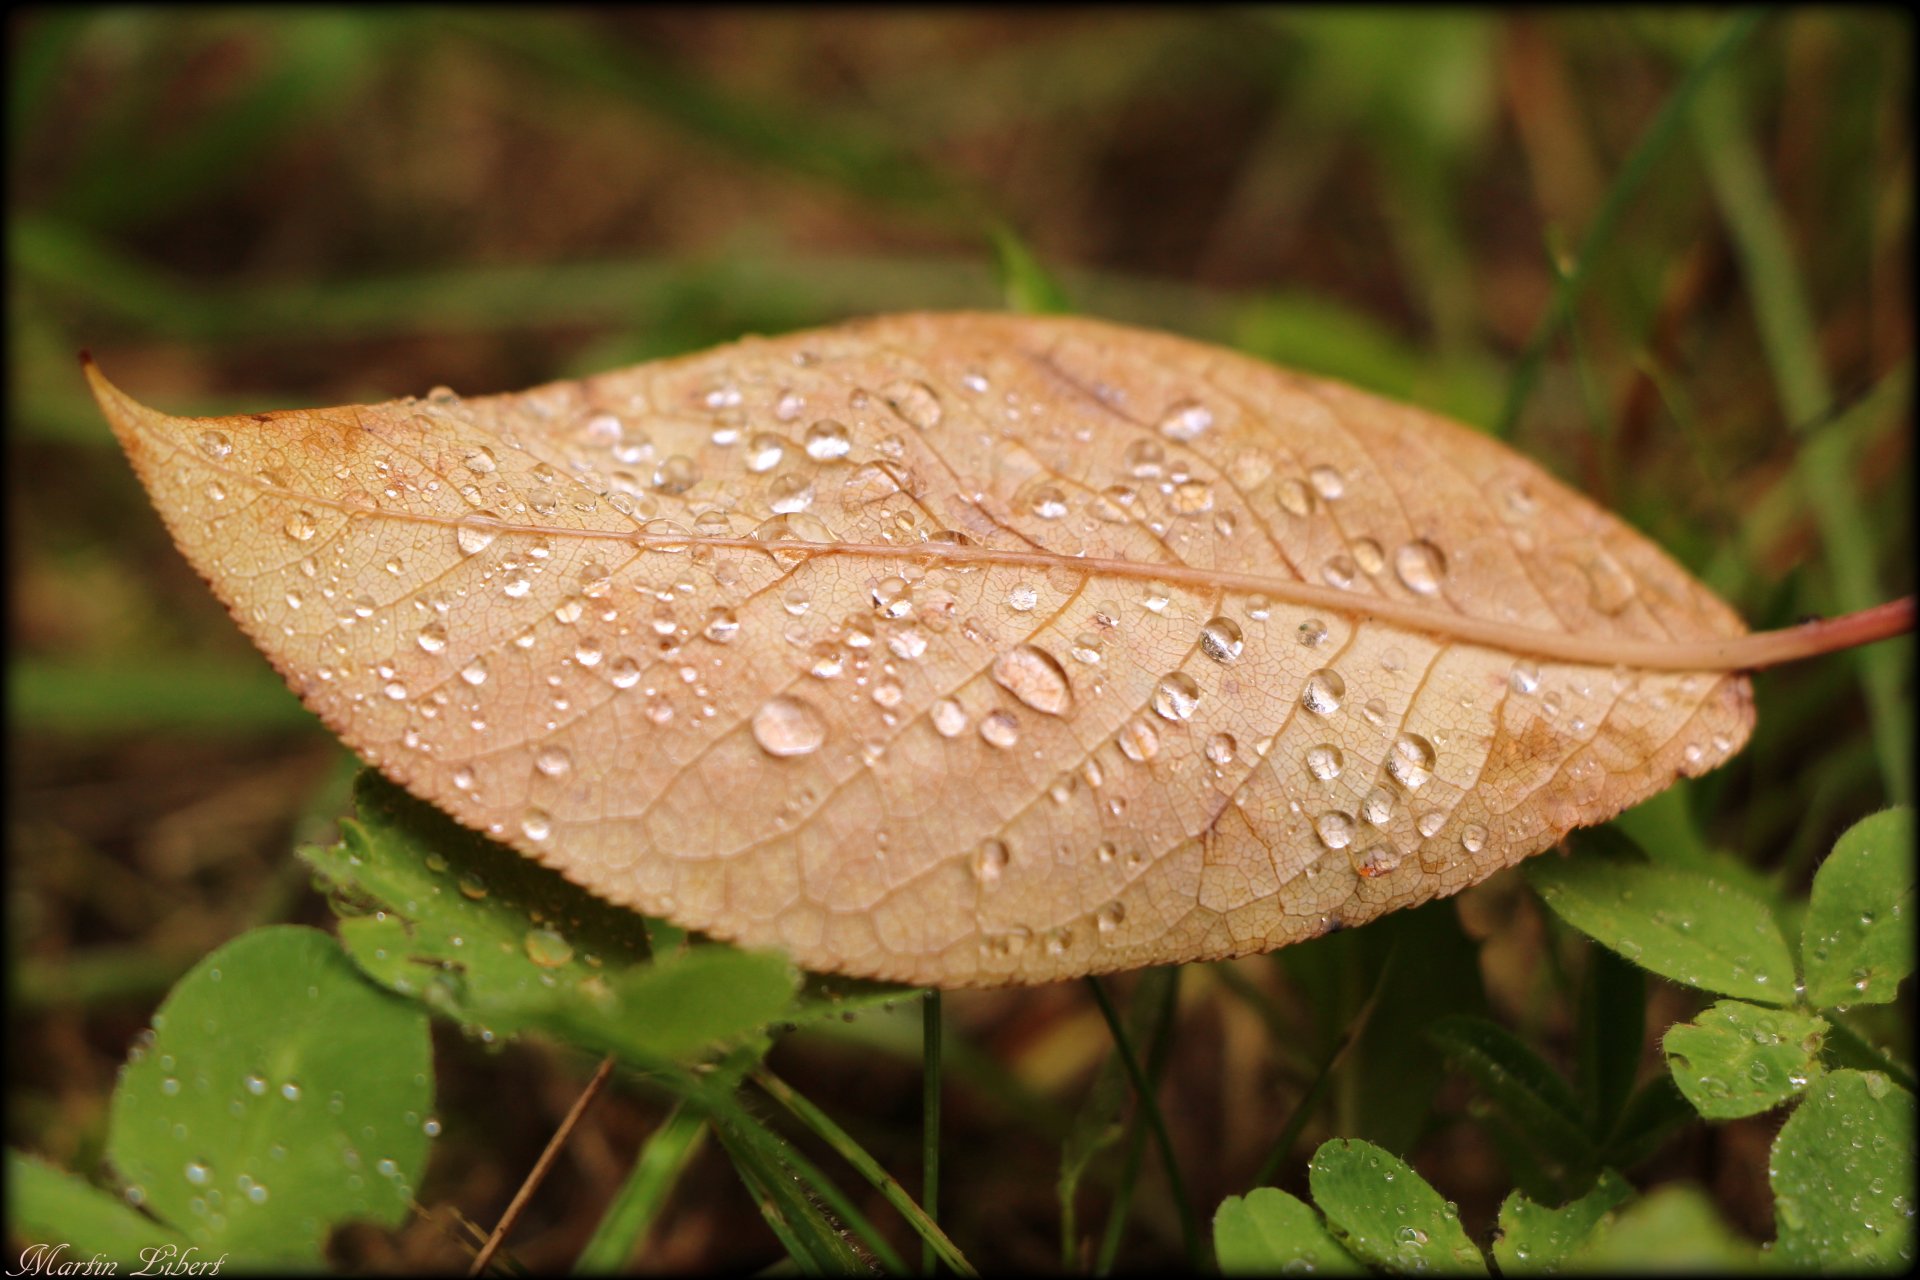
[915, 402]
[1035, 677]
[624, 673]
[290, 1091]
[1187, 420]
[300, 526]
[1432, 822]
[257, 1085]
[949, 718]
[432, 637]
[764, 452]
[1312, 633]
[1176, 696]
[1339, 570]
[480, 461]
[215, 445]
[1376, 861]
[790, 493]
[1022, 597]
[1473, 837]
[1220, 640]
[1047, 502]
[1420, 566]
[1294, 497]
[892, 598]
[1221, 749]
[827, 439]
[198, 1173]
[1138, 741]
[1334, 829]
[1325, 762]
[786, 726]
[1377, 808]
[1323, 691]
[999, 729]
[553, 761]
[547, 949]
[536, 824]
[1110, 917]
[1366, 553]
[989, 860]
[1327, 482]
[1524, 679]
[1410, 761]
[723, 626]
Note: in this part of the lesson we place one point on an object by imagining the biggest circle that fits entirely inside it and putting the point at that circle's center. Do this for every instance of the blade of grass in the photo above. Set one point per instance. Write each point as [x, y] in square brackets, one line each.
[930, 1082]
[780, 1180]
[636, 1206]
[1633, 174]
[1157, 1055]
[1150, 1108]
[1825, 467]
[823, 1126]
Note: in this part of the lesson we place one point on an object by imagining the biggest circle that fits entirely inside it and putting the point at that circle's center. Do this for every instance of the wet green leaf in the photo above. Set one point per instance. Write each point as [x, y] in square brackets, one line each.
[49, 1208]
[1534, 1239]
[1858, 940]
[282, 1093]
[1682, 925]
[1738, 1059]
[1675, 1228]
[1842, 1175]
[1268, 1231]
[1385, 1214]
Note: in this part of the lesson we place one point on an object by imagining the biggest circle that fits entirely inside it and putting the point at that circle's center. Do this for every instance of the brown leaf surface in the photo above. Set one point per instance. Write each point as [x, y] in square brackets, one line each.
[961, 649]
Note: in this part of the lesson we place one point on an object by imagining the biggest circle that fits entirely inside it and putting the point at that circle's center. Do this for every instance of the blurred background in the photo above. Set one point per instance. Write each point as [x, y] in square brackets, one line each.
[256, 209]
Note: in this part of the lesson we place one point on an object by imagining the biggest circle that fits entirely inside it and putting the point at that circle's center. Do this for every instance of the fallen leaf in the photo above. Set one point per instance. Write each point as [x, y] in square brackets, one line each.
[961, 649]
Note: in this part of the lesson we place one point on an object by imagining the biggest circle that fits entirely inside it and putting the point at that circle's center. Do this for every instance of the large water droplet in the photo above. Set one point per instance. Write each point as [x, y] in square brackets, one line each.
[1325, 761]
[475, 534]
[1327, 482]
[1047, 502]
[432, 637]
[300, 526]
[764, 452]
[949, 718]
[1220, 640]
[1034, 676]
[1410, 761]
[790, 493]
[1187, 420]
[786, 726]
[1221, 749]
[827, 439]
[1176, 696]
[547, 949]
[1377, 808]
[1334, 829]
[915, 402]
[1323, 691]
[480, 460]
[999, 729]
[1376, 861]
[1420, 566]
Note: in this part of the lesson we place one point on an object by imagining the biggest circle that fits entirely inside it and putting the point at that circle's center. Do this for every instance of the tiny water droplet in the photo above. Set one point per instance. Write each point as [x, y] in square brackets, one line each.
[1327, 482]
[1312, 633]
[1294, 497]
[989, 860]
[536, 824]
[1138, 741]
[1334, 829]
[1325, 762]
[1221, 749]
[764, 452]
[949, 718]
[999, 729]
[475, 534]
[300, 526]
[915, 402]
[1524, 679]
[553, 761]
[432, 637]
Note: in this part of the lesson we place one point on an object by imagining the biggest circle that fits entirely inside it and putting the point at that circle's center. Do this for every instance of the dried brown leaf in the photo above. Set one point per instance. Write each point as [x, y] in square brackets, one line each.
[961, 649]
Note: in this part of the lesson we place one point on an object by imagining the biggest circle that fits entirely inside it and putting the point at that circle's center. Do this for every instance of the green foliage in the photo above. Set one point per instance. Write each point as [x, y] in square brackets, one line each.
[1268, 1231]
[1386, 1214]
[1535, 1239]
[1858, 944]
[1674, 1228]
[47, 1205]
[1737, 1059]
[278, 1094]
[1683, 925]
[1843, 1178]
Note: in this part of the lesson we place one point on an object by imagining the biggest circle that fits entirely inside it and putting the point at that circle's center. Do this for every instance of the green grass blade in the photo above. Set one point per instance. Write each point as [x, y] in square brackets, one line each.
[1633, 174]
[930, 1081]
[637, 1205]
[823, 1126]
